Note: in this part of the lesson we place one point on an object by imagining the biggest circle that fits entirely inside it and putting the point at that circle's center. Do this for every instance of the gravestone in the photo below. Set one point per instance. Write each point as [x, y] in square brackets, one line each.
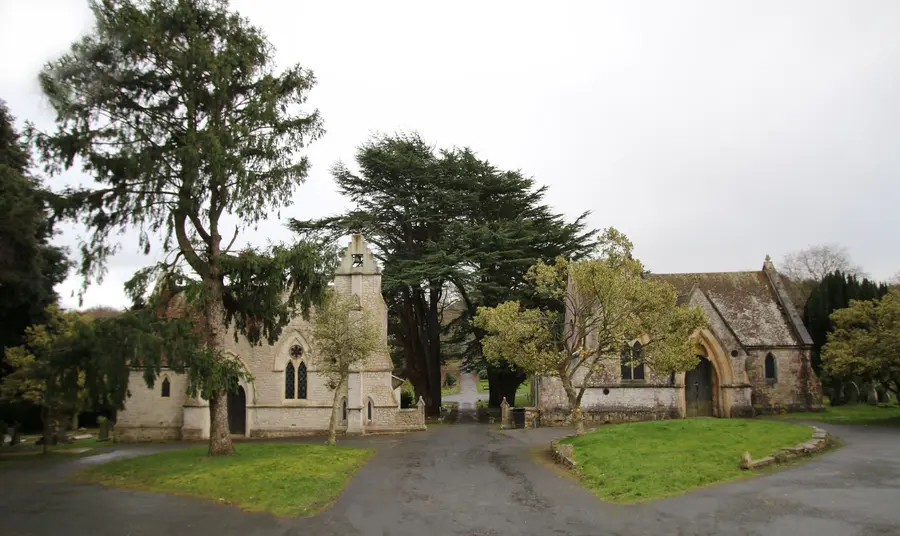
[851, 391]
[872, 396]
[103, 434]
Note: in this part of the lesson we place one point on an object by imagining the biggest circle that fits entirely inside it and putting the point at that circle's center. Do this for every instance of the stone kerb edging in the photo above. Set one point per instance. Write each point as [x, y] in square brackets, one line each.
[818, 442]
[563, 453]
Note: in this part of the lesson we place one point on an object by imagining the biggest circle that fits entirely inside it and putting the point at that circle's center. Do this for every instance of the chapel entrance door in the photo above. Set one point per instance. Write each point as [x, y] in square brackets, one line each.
[237, 412]
[698, 390]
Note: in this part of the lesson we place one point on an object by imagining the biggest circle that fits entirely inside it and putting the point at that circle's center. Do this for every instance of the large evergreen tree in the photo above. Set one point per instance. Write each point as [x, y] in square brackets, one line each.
[406, 205]
[834, 292]
[175, 109]
[29, 266]
[450, 229]
[507, 229]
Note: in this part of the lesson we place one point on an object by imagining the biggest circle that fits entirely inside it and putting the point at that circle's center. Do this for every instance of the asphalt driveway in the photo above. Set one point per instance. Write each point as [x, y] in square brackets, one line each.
[478, 480]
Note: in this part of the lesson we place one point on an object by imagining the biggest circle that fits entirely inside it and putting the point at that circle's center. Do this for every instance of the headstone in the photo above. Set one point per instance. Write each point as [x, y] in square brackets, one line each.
[872, 396]
[104, 430]
[851, 391]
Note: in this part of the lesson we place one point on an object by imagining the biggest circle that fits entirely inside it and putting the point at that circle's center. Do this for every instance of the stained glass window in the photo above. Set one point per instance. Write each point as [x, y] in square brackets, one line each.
[165, 387]
[289, 380]
[301, 380]
[296, 351]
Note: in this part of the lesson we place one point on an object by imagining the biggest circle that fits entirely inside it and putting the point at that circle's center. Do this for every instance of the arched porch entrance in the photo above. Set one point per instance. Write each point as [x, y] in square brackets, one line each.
[705, 389]
[699, 390]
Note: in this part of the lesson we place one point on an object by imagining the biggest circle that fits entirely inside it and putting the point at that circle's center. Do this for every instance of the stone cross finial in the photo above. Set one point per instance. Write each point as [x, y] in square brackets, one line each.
[504, 403]
[421, 403]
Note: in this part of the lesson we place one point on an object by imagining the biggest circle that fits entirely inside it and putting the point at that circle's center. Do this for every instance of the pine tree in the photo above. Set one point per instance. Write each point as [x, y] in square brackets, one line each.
[174, 108]
[834, 292]
[449, 228]
[29, 266]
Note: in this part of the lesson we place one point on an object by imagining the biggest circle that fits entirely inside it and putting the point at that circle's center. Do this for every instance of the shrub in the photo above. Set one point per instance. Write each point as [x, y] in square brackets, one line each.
[449, 380]
[482, 375]
[407, 399]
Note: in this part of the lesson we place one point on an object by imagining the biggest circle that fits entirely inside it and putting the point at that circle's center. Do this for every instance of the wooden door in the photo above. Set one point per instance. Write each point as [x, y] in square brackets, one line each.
[237, 412]
[698, 390]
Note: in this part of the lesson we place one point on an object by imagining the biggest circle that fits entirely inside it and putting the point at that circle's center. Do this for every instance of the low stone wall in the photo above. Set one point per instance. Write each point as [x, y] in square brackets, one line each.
[398, 421]
[532, 416]
[563, 454]
[819, 441]
[608, 415]
[766, 409]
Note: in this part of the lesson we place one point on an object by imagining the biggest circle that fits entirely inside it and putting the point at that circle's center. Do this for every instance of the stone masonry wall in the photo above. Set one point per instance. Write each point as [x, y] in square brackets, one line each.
[148, 416]
[788, 391]
[612, 403]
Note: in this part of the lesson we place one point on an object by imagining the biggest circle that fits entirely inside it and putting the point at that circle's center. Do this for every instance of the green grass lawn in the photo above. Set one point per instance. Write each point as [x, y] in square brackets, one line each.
[28, 450]
[450, 390]
[285, 479]
[857, 414]
[636, 462]
[524, 388]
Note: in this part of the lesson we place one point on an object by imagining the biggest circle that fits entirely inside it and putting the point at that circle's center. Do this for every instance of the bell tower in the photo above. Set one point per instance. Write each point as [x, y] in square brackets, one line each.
[358, 273]
[359, 277]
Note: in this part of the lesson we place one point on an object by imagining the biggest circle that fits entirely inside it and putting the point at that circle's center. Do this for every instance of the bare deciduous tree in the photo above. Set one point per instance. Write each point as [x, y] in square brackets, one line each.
[815, 262]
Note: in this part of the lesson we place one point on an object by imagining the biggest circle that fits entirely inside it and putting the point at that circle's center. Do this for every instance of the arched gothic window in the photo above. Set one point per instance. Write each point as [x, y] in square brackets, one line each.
[166, 388]
[632, 361]
[344, 410]
[295, 374]
[301, 381]
[637, 355]
[369, 410]
[770, 369]
[289, 380]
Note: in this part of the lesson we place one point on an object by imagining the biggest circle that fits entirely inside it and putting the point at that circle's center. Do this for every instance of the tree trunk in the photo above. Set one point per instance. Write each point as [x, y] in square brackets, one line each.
[578, 420]
[503, 383]
[332, 428]
[574, 401]
[48, 433]
[219, 435]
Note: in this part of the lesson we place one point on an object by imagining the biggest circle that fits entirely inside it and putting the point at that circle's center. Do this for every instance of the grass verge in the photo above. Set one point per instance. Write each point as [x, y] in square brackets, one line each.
[285, 479]
[636, 462]
[857, 414]
[524, 387]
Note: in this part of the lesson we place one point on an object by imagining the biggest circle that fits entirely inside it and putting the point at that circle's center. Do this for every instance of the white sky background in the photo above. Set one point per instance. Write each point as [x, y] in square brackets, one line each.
[712, 133]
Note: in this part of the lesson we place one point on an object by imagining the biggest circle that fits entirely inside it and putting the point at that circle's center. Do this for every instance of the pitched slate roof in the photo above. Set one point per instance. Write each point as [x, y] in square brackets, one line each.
[747, 301]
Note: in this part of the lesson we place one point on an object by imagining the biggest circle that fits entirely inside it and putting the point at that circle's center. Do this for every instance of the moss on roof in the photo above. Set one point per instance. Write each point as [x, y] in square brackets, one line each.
[746, 301]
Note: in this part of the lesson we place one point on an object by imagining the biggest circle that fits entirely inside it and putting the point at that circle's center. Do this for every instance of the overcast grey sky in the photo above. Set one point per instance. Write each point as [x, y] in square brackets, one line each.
[712, 133]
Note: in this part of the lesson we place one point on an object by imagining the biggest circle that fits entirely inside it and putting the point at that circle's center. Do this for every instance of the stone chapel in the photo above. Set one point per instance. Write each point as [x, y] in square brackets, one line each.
[287, 395]
[755, 358]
